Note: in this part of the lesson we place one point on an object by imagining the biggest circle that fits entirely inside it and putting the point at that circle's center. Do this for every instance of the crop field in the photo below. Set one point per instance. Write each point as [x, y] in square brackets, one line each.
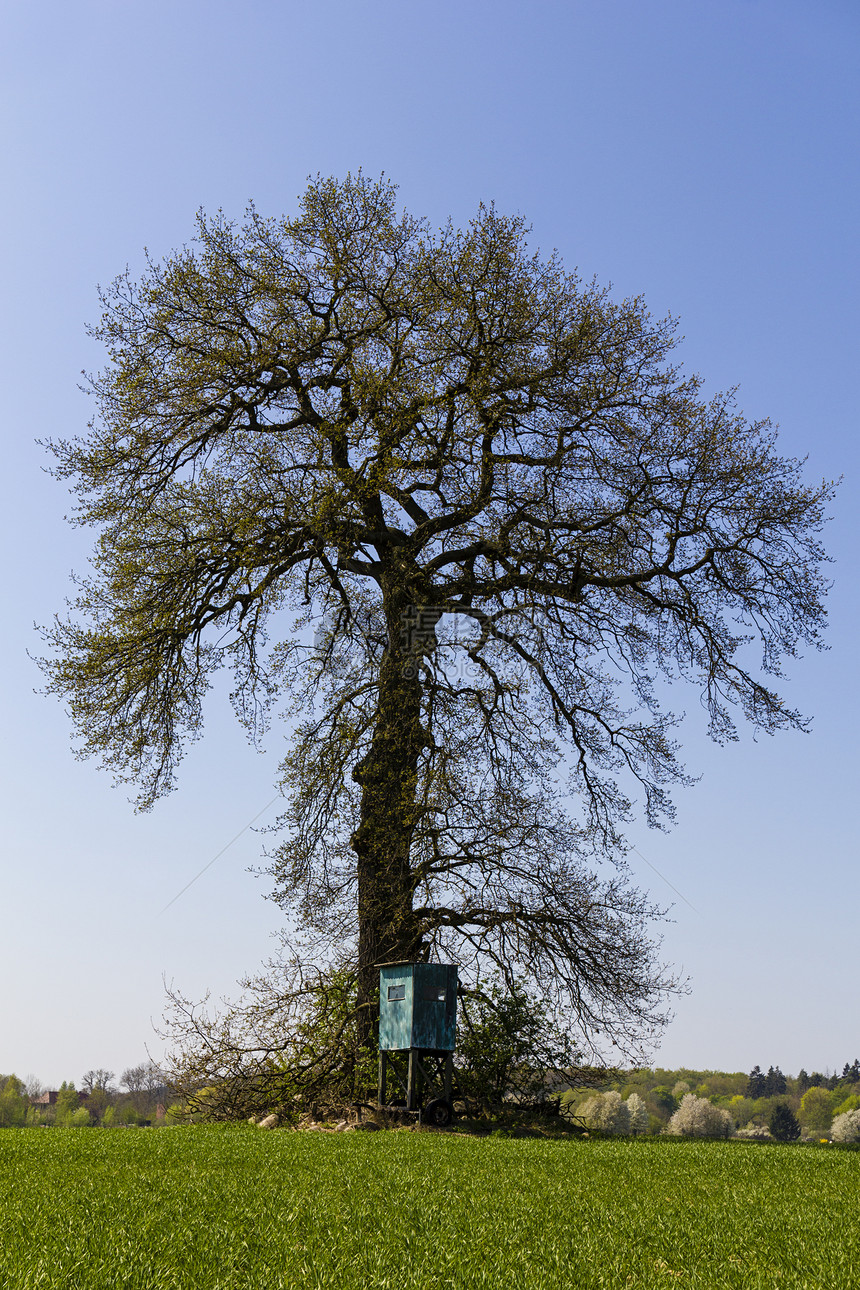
[212, 1208]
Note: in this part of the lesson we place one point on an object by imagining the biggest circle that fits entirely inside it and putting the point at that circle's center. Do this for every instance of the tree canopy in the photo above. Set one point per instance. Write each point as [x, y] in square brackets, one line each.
[462, 515]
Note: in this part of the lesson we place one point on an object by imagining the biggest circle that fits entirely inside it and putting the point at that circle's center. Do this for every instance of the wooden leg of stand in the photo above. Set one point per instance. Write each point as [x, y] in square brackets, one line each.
[412, 1082]
[381, 1091]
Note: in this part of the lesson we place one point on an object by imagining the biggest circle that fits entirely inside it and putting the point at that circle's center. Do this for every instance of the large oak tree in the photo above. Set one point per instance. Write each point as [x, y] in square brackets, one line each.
[510, 518]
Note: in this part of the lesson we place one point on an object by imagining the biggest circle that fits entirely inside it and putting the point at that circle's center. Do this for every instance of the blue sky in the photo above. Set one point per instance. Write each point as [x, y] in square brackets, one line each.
[703, 155]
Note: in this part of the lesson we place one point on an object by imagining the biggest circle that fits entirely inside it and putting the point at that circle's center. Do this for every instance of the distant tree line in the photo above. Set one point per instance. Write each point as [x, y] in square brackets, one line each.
[850, 1075]
[774, 1083]
[142, 1090]
[721, 1104]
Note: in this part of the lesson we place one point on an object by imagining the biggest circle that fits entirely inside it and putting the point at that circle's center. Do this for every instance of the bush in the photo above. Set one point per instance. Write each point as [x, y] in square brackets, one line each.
[846, 1127]
[607, 1113]
[13, 1105]
[80, 1119]
[742, 1109]
[66, 1105]
[664, 1100]
[816, 1109]
[509, 1046]
[640, 1120]
[757, 1132]
[696, 1117]
[292, 1041]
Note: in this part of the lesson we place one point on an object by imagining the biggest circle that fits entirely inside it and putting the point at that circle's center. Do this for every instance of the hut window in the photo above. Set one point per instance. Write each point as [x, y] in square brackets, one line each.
[433, 993]
[396, 992]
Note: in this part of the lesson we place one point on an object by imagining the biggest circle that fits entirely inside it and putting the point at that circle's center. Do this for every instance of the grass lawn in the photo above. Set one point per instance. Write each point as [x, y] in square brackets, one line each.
[212, 1207]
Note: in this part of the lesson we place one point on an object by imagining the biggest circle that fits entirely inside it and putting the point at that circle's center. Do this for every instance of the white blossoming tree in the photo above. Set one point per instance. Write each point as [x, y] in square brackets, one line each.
[846, 1127]
[640, 1121]
[696, 1117]
[606, 1112]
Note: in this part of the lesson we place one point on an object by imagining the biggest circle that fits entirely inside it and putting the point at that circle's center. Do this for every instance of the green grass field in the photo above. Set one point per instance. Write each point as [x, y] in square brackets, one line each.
[215, 1207]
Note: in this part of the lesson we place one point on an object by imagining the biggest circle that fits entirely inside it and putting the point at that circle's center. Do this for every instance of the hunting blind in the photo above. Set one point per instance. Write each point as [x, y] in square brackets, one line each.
[417, 1033]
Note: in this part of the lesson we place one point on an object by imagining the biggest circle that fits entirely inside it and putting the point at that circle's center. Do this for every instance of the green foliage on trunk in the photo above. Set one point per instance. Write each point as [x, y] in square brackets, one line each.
[510, 1047]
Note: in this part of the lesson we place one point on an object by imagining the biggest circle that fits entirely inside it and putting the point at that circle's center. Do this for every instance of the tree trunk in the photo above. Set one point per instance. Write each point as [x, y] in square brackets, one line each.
[388, 775]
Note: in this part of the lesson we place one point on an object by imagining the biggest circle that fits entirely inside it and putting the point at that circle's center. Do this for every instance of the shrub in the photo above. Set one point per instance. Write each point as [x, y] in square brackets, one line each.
[816, 1109]
[66, 1105]
[846, 1127]
[742, 1109]
[80, 1119]
[696, 1117]
[640, 1120]
[664, 1100]
[607, 1113]
[13, 1106]
[757, 1132]
[509, 1045]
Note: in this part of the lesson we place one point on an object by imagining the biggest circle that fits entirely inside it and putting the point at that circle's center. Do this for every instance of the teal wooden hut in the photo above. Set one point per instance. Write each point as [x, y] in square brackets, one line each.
[417, 1006]
[417, 1034]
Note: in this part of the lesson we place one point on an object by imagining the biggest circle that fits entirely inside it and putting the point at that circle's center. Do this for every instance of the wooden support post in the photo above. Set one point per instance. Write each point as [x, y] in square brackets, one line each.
[382, 1090]
[449, 1075]
[412, 1082]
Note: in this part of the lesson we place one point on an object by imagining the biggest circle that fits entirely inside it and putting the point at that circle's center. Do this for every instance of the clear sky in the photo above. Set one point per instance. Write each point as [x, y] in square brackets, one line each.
[704, 155]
